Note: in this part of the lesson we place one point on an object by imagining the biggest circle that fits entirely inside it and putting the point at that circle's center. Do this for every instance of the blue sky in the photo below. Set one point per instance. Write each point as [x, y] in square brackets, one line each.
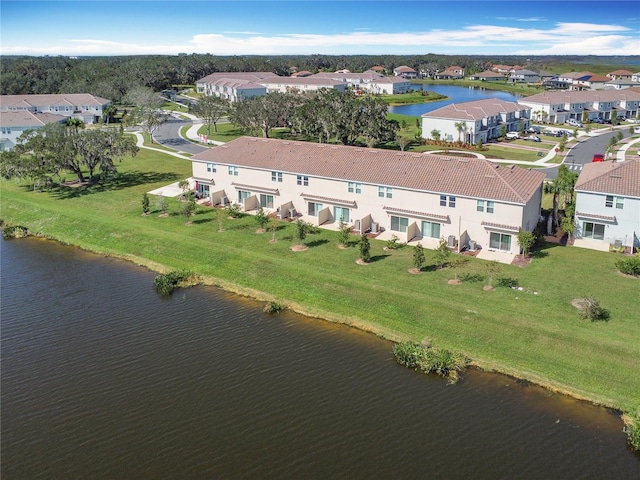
[534, 27]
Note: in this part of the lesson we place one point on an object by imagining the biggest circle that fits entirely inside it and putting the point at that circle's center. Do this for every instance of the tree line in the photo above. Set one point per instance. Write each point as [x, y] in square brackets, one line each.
[112, 77]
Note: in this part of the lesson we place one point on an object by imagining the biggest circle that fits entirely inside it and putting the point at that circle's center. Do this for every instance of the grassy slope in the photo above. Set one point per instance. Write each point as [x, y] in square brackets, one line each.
[538, 337]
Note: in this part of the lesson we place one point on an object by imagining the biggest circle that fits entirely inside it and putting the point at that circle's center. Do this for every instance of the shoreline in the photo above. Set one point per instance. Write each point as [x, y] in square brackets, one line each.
[353, 322]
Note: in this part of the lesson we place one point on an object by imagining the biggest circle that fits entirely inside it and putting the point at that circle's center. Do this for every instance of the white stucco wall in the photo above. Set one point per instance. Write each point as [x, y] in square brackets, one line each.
[626, 226]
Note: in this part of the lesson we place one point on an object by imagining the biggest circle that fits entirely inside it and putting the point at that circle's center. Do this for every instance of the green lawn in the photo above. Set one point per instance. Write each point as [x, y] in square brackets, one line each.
[537, 337]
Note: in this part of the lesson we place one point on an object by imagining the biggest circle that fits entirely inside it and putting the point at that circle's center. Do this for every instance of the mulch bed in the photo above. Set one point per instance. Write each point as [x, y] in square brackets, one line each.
[521, 261]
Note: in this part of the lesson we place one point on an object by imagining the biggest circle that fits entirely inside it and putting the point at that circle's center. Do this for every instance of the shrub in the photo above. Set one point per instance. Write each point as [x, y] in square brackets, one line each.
[445, 363]
[629, 266]
[166, 283]
[392, 243]
[365, 248]
[507, 282]
[162, 204]
[590, 309]
[418, 256]
[344, 231]
[262, 218]
[14, 231]
[145, 203]
[273, 307]
[632, 429]
[526, 239]
[234, 210]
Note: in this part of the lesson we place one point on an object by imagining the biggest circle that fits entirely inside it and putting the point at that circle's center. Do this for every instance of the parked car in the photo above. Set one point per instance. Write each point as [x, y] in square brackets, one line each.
[512, 135]
[596, 120]
[598, 157]
[636, 130]
[633, 120]
[554, 133]
[574, 123]
[533, 138]
[535, 130]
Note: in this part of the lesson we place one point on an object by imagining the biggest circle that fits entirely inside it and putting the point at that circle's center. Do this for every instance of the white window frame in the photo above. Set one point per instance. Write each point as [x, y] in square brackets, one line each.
[211, 167]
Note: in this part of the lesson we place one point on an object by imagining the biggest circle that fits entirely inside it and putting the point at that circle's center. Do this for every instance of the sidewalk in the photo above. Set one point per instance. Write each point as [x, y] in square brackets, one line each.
[192, 132]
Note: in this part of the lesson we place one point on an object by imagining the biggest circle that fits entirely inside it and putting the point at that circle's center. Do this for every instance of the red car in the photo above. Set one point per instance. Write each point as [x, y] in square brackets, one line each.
[598, 157]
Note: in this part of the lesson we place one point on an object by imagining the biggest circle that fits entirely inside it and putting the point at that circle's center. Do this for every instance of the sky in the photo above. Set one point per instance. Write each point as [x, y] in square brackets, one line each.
[451, 27]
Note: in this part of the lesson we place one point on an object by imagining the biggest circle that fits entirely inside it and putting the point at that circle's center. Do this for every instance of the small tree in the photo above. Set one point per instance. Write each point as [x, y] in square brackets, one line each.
[344, 231]
[503, 131]
[526, 239]
[183, 185]
[365, 248]
[456, 263]
[403, 142]
[189, 209]
[302, 229]
[145, 203]
[262, 218]
[568, 225]
[162, 204]
[493, 269]
[435, 134]
[479, 145]
[619, 136]
[418, 256]
[442, 253]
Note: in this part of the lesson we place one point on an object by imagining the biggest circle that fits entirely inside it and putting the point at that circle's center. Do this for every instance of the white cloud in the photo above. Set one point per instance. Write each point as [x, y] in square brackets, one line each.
[562, 39]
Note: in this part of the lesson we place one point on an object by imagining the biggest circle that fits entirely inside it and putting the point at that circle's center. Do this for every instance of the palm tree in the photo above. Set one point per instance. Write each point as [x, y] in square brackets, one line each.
[563, 184]
[460, 126]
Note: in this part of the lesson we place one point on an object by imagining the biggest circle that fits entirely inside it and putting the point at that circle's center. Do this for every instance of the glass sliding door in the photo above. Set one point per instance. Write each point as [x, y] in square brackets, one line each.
[500, 241]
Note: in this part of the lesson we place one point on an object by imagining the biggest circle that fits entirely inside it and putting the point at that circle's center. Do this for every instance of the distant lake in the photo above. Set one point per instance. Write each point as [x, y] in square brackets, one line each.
[455, 94]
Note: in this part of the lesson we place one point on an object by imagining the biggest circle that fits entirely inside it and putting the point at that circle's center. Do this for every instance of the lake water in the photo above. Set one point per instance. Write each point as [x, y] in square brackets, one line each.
[456, 95]
[104, 379]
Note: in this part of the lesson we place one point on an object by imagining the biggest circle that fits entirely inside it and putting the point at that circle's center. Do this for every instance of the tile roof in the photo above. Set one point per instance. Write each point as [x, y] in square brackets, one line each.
[476, 110]
[501, 226]
[24, 118]
[581, 97]
[251, 76]
[474, 178]
[76, 99]
[614, 178]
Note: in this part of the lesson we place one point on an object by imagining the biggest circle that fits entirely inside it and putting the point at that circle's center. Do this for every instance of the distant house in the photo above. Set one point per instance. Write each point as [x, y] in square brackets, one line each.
[83, 106]
[620, 84]
[378, 69]
[488, 76]
[417, 197]
[558, 107]
[524, 76]
[14, 124]
[302, 73]
[608, 205]
[635, 77]
[451, 73]
[405, 72]
[369, 82]
[620, 75]
[482, 120]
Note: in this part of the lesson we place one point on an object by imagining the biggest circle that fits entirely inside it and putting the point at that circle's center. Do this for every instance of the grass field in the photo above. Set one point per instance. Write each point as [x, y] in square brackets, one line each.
[538, 337]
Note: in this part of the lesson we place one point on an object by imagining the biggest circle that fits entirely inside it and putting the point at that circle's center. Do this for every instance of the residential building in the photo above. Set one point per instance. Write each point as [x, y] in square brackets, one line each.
[83, 106]
[304, 84]
[608, 205]
[405, 72]
[524, 76]
[418, 197]
[479, 120]
[369, 82]
[451, 73]
[621, 84]
[14, 124]
[620, 75]
[488, 76]
[558, 107]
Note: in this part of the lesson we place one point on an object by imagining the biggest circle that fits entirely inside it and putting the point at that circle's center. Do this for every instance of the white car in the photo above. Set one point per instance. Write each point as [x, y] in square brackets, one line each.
[512, 135]
[574, 123]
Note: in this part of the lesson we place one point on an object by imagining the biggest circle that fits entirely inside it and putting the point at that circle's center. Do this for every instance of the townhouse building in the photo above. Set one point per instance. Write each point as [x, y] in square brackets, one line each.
[417, 197]
[608, 205]
[558, 107]
[14, 124]
[475, 121]
[524, 76]
[405, 71]
[83, 106]
[369, 82]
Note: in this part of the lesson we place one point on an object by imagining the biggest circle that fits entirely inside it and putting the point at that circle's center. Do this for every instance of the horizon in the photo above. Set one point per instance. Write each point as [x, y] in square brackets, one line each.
[305, 27]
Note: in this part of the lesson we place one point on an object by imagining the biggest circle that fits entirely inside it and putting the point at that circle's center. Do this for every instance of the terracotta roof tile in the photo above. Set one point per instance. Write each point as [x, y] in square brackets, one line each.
[614, 178]
[474, 178]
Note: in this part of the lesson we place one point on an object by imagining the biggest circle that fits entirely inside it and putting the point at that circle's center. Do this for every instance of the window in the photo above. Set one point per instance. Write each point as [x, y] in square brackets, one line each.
[385, 192]
[203, 189]
[500, 241]
[430, 229]
[483, 205]
[242, 195]
[233, 171]
[610, 201]
[276, 177]
[355, 187]
[399, 224]
[266, 201]
[303, 180]
[211, 167]
[341, 213]
[443, 201]
[314, 209]
[593, 230]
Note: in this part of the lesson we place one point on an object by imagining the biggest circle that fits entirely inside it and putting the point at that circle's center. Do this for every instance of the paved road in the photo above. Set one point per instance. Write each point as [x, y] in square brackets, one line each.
[583, 152]
[168, 134]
